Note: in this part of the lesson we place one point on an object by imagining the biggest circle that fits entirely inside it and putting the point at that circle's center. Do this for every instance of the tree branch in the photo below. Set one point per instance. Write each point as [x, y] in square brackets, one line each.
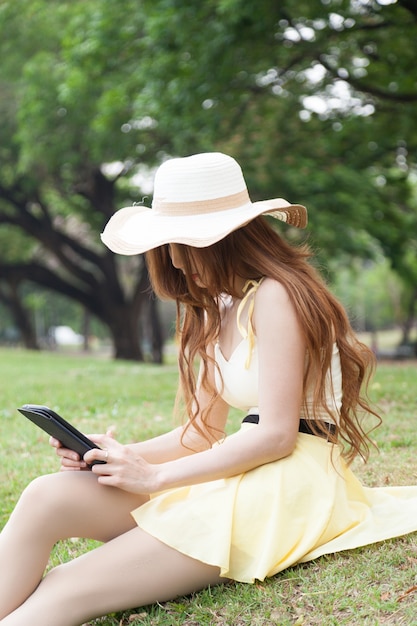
[40, 275]
[367, 88]
[63, 247]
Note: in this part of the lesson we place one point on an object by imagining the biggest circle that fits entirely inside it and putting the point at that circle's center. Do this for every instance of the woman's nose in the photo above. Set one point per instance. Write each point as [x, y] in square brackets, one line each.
[175, 256]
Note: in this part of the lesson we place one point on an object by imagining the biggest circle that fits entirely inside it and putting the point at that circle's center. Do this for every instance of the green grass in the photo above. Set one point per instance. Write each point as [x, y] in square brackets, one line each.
[363, 586]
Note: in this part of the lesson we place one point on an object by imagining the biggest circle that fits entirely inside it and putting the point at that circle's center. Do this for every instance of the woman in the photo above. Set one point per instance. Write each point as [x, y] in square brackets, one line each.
[193, 507]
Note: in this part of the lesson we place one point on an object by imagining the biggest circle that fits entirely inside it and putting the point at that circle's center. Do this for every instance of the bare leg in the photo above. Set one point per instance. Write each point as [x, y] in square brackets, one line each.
[54, 507]
[131, 570]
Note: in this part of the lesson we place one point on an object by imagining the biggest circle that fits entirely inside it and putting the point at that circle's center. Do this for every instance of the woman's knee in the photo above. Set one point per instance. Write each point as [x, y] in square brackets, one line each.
[43, 495]
[74, 504]
[35, 511]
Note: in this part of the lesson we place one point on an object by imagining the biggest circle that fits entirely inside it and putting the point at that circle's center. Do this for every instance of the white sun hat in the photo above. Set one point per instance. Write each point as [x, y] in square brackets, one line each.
[197, 201]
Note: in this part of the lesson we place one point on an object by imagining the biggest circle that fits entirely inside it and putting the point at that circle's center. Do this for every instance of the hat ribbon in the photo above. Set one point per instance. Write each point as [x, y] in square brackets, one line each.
[224, 203]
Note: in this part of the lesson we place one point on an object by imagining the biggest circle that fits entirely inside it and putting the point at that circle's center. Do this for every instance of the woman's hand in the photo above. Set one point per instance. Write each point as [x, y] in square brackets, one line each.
[70, 460]
[124, 468]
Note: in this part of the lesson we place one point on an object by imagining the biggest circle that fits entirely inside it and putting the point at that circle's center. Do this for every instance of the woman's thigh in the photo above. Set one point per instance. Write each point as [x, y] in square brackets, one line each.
[74, 504]
[132, 570]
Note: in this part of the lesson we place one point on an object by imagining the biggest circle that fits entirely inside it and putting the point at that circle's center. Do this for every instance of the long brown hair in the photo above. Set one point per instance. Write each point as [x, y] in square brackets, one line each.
[251, 252]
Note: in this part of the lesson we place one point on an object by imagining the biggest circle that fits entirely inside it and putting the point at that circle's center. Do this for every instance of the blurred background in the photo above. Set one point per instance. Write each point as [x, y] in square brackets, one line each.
[316, 99]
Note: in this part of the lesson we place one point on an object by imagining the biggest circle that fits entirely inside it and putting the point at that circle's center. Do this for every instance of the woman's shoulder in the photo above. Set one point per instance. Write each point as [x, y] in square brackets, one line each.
[273, 306]
[272, 290]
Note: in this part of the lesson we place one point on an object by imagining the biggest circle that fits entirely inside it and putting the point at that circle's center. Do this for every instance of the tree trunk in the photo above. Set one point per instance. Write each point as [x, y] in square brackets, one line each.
[21, 317]
[26, 328]
[409, 321]
[157, 341]
[86, 330]
[125, 332]
[135, 326]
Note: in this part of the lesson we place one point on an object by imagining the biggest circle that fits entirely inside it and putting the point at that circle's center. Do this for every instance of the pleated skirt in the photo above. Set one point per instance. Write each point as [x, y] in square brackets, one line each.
[293, 510]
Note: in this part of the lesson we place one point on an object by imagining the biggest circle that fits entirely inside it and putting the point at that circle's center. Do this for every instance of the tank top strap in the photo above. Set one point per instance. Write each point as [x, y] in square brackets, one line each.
[250, 288]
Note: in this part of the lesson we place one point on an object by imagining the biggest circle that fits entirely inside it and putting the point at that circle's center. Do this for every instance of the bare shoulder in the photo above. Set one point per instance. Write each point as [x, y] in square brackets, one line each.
[271, 291]
[273, 306]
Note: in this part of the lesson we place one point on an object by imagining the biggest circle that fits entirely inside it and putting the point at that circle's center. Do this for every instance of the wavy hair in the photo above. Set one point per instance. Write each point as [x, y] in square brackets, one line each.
[251, 252]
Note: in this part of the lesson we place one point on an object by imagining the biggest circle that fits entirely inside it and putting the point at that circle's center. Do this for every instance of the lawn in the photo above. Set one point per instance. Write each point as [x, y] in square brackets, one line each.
[368, 586]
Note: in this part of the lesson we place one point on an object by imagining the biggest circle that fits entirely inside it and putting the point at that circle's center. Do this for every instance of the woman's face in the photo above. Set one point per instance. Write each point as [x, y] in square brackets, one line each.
[177, 259]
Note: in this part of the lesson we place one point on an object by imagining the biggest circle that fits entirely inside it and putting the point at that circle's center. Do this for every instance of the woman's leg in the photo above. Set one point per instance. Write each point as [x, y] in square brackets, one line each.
[54, 507]
[131, 570]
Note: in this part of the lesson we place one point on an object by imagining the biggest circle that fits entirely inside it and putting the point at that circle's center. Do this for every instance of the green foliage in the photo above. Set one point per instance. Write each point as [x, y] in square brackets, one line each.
[315, 99]
[370, 293]
[15, 245]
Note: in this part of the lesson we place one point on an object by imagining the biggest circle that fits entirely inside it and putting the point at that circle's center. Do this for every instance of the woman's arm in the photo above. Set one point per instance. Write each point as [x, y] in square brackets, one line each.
[182, 441]
[281, 350]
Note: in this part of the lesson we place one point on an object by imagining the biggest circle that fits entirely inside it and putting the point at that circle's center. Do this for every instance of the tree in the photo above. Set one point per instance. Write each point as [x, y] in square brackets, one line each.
[317, 99]
[52, 185]
[302, 93]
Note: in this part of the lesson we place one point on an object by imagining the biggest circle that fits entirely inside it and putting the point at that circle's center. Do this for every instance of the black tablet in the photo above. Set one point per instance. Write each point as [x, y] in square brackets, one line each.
[57, 427]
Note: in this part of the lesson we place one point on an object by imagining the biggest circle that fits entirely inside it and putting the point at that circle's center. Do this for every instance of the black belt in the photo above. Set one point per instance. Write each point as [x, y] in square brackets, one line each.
[304, 427]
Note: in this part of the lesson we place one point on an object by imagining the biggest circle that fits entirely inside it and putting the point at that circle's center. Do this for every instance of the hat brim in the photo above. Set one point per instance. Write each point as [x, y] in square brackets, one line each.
[137, 229]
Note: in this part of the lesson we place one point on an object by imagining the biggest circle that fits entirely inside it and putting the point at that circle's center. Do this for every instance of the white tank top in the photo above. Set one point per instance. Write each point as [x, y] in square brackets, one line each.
[240, 371]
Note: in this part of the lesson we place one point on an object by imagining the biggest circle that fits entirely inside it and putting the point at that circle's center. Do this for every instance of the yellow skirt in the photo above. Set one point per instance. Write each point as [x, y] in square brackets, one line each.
[293, 510]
